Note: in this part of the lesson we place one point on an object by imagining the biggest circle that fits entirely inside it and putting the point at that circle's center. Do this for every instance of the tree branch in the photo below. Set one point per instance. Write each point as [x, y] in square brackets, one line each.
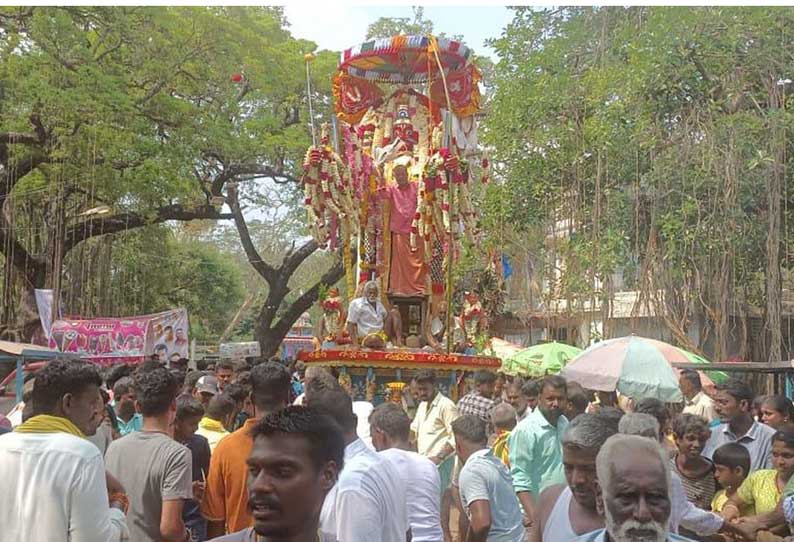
[245, 89]
[233, 171]
[22, 168]
[32, 267]
[265, 270]
[309, 297]
[19, 138]
[101, 225]
[38, 127]
[293, 258]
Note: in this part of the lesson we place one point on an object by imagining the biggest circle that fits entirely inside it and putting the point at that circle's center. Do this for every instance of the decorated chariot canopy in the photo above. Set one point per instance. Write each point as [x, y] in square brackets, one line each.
[392, 180]
[403, 59]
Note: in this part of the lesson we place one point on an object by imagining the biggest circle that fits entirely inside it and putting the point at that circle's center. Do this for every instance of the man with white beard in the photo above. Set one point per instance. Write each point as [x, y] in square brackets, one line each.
[633, 492]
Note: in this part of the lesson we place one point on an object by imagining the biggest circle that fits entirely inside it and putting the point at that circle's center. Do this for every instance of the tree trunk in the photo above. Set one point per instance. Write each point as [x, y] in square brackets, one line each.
[774, 189]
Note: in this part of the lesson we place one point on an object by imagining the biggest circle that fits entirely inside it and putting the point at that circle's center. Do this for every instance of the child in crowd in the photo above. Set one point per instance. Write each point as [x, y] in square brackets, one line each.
[697, 473]
[731, 466]
[763, 488]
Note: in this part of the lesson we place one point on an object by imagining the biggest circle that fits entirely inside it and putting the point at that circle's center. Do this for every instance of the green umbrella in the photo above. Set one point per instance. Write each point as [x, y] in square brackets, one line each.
[718, 377]
[540, 360]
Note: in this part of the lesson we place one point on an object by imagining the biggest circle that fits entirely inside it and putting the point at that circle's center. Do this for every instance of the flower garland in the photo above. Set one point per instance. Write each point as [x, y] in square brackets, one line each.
[328, 191]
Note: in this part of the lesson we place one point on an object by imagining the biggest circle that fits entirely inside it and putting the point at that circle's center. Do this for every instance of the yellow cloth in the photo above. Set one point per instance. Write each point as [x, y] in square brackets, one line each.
[760, 490]
[212, 430]
[45, 423]
[432, 425]
[719, 500]
[379, 334]
[501, 448]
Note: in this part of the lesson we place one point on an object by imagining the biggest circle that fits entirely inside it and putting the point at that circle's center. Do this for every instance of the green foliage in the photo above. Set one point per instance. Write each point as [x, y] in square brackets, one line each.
[650, 131]
[385, 27]
[153, 271]
[145, 110]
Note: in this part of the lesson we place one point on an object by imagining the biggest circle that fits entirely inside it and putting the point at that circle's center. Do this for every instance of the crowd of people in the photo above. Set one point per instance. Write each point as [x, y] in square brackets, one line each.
[266, 452]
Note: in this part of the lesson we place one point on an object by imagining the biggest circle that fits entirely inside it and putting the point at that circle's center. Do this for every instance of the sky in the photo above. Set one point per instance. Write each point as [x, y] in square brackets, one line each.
[337, 26]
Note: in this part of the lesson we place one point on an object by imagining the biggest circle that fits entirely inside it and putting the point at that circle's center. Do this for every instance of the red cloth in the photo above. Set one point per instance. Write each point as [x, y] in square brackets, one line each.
[408, 271]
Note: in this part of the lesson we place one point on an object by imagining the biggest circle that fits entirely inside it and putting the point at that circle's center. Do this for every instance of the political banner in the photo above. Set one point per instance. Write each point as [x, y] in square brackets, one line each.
[123, 340]
[166, 336]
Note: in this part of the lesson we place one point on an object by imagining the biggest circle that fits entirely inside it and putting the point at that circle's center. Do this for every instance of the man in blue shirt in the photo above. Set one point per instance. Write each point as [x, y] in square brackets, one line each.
[129, 420]
[486, 489]
[535, 449]
[733, 402]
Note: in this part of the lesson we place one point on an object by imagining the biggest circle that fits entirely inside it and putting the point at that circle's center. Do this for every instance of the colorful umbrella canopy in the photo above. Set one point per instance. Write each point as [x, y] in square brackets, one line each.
[635, 366]
[708, 377]
[403, 59]
[540, 360]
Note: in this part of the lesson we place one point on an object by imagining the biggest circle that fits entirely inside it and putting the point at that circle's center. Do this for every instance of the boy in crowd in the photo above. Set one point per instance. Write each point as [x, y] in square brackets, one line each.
[188, 414]
[503, 419]
[731, 467]
[129, 420]
[224, 372]
[217, 420]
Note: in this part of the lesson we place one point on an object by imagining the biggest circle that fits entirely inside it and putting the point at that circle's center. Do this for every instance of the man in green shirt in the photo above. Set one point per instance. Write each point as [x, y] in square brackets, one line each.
[535, 449]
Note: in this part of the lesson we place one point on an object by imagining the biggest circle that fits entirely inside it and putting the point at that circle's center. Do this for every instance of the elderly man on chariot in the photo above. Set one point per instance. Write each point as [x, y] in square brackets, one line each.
[369, 323]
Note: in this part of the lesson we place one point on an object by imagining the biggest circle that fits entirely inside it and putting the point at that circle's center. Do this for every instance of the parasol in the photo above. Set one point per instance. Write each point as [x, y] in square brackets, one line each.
[444, 65]
[403, 60]
[634, 366]
[709, 378]
[541, 359]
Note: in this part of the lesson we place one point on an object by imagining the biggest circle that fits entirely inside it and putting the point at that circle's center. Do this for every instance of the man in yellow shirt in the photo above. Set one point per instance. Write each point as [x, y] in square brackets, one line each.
[218, 417]
[432, 425]
[696, 400]
[432, 430]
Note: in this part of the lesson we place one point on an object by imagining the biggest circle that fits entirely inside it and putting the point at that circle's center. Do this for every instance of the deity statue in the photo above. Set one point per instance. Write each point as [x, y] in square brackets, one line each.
[473, 318]
[395, 391]
[332, 324]
[371, 389]
[407, 272]
[346, 383]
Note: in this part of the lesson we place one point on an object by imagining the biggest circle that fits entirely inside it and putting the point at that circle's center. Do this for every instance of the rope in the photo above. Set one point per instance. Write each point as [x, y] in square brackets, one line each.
[309, 98]
[433, 47]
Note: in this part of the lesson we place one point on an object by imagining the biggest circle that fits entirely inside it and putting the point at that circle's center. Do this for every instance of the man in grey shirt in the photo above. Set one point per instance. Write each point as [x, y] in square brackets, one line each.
[153, 468]
[486, 488]
[733, 404]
